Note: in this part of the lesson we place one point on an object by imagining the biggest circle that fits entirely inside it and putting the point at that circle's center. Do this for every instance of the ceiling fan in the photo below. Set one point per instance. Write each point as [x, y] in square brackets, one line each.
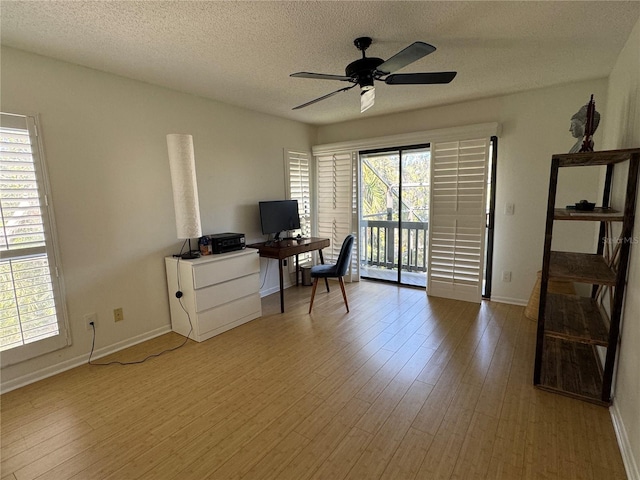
[364, 71]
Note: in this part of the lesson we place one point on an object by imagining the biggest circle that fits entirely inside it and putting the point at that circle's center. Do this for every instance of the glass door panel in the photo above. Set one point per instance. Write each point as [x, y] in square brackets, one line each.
[394, 215]
[414, 207]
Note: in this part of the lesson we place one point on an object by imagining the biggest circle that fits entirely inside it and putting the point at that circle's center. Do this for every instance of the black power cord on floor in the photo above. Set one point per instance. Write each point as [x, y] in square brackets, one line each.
[179, 297]
[116, 362]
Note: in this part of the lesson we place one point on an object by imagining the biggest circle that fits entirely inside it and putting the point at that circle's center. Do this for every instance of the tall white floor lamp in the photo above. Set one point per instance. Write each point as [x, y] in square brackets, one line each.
[185, 189]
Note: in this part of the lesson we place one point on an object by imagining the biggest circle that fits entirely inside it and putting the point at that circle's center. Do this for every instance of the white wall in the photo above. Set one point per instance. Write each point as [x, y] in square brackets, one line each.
[622, 130]
[105, 147]
[535, 125]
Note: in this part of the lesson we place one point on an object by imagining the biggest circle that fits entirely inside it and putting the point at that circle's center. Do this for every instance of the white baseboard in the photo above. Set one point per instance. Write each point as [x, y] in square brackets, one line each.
[80, 360]
[269, 291]
[509, 300]
[630, 464]
[276, 289]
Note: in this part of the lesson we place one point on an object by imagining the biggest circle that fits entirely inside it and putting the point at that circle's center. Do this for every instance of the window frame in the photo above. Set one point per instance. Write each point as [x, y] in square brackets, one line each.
[292, 161]
[63, 338]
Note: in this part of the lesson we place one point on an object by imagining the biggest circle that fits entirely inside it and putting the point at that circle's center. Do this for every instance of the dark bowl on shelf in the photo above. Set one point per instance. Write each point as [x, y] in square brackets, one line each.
[585, 206]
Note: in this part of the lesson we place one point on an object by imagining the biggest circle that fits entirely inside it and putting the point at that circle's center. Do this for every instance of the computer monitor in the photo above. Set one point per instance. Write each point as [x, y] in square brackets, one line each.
[279, 215]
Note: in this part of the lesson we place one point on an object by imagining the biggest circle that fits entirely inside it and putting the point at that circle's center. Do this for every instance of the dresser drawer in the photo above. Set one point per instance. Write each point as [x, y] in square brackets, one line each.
[215, 295]
[225, 269]
[228, 315]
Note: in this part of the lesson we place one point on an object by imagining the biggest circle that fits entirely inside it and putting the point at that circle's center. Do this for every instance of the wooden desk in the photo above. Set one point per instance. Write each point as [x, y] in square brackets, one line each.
[289, 248]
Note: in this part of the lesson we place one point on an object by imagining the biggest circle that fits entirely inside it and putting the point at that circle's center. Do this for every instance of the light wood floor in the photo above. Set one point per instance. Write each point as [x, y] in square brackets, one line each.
[403, 387]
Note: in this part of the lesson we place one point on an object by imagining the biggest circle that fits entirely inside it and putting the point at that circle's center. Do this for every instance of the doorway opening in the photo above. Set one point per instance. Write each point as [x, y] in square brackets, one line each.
[394, 214]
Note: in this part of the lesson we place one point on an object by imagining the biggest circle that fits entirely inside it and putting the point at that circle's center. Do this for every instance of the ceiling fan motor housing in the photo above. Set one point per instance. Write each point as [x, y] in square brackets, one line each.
[362, 70]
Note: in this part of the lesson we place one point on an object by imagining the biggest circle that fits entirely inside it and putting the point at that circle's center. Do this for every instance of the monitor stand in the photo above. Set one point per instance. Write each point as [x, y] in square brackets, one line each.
[273, 241]
[277, 238]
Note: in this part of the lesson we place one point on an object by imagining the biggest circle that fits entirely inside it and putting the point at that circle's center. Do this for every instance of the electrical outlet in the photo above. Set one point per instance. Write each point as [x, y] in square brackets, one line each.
[90, 318]
[506, 276]
[118, 315]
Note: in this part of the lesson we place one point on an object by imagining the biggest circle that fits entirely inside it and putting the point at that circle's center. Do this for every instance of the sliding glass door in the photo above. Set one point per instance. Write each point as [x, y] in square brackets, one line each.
[394, 214]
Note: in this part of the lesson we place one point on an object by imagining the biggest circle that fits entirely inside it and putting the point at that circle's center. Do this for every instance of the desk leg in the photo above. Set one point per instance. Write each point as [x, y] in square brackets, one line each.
[281, 286]
[326, 280]
[297, 269]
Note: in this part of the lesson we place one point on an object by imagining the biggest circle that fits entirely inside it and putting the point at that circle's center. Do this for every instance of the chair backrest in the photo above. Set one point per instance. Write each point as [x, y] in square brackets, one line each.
[345, 255]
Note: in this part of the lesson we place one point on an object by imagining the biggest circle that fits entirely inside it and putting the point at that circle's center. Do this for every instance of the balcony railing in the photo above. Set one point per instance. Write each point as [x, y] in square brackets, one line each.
[382, 240]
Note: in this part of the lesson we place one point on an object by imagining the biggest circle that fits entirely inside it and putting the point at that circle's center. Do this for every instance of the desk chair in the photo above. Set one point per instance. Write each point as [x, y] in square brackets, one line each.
[333, 271]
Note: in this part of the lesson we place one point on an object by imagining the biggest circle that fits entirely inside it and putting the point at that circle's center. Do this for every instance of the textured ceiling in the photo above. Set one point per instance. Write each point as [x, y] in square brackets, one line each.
[242, 53]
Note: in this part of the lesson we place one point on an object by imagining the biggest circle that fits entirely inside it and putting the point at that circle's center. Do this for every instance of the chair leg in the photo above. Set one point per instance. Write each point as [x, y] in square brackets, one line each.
[313, 293]
[344, 293]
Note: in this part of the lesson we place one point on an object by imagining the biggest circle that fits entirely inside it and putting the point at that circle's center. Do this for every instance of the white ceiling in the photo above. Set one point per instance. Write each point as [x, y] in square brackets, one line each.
[242, 53]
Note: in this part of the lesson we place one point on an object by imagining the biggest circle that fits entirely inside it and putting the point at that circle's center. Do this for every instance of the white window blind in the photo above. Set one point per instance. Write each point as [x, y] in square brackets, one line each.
[337, 204]
[31, 317]
[298, 182]
[457, 219]
[297, 173]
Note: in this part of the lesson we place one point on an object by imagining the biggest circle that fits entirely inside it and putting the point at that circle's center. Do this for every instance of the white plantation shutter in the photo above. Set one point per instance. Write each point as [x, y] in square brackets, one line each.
[457, 219]
[298, 185]
[32, 320]
[297, 177]
[337, 204]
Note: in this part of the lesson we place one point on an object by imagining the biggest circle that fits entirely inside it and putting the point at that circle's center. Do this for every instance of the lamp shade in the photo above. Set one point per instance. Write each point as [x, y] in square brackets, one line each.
[185, 189]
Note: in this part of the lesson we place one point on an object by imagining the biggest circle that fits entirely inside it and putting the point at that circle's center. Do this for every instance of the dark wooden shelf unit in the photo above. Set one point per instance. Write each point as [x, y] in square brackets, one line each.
[571, 328]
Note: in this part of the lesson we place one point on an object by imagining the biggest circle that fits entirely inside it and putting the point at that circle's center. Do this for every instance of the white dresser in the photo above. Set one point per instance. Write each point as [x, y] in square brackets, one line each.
[219, 292]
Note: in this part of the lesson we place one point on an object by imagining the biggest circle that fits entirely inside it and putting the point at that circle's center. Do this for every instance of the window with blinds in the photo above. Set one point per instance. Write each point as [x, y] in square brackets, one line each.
[337, 204]
[31, 320]
[298, 184]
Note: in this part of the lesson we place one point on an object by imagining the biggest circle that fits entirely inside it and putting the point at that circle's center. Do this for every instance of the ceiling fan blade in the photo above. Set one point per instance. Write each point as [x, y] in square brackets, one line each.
[420, 78]
[321, 76]
[413, 52]
[323, 97]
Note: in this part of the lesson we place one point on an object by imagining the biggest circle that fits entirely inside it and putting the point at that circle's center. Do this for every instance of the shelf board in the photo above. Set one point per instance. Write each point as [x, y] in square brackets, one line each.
[581, 267]
[597, 214]
[571, 369]
[575, 318]
[594, 158]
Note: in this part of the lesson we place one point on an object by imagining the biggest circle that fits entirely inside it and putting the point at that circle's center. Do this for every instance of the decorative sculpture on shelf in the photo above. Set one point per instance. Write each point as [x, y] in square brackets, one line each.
[583, 125]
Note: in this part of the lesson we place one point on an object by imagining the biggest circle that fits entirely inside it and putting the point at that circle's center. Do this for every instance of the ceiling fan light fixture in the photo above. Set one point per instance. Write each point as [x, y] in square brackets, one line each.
[367, 97]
